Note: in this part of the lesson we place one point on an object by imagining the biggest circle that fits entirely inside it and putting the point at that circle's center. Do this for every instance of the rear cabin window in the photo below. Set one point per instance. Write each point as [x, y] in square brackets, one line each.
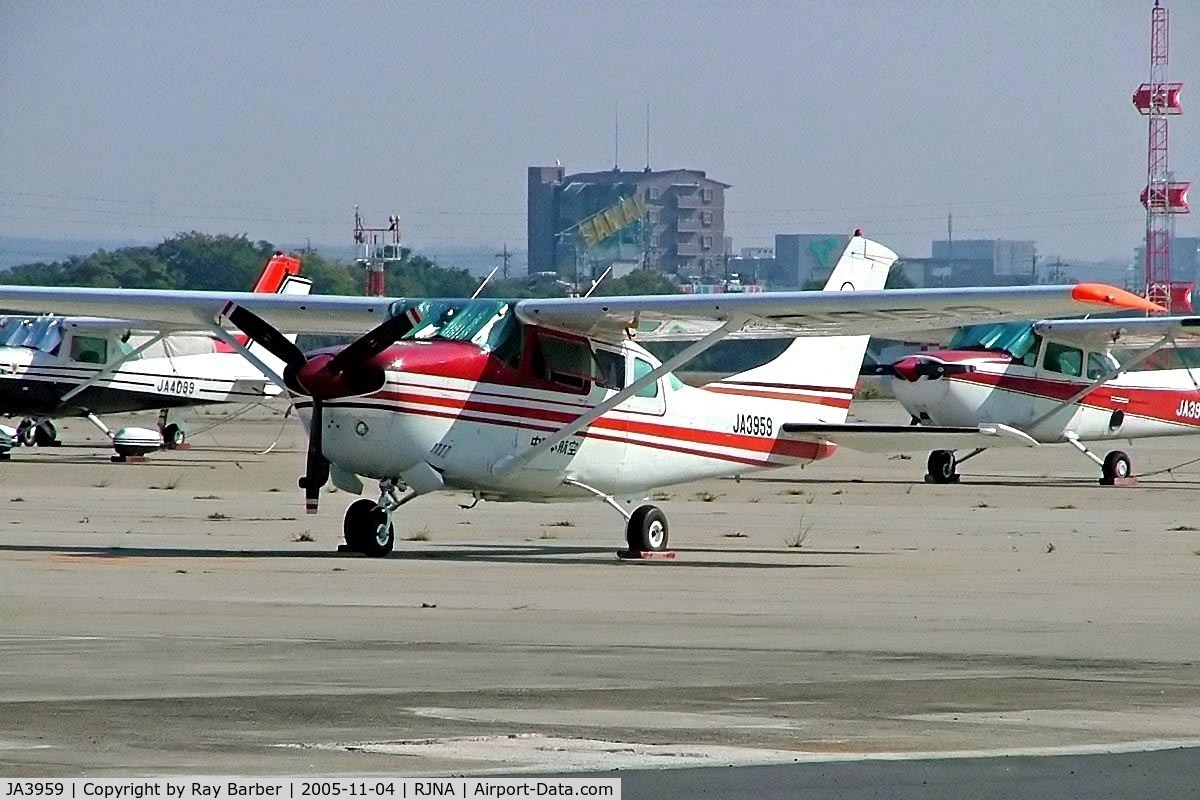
[1062, 359]
[565, 361]
[89, 349]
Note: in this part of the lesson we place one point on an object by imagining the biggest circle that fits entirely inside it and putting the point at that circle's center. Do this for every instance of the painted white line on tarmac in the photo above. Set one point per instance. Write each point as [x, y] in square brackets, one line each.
[531, 752]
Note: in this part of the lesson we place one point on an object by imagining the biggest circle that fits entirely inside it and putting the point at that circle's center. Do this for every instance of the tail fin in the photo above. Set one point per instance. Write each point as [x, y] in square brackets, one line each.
[280, 276]
[829, 363]
[273, 276]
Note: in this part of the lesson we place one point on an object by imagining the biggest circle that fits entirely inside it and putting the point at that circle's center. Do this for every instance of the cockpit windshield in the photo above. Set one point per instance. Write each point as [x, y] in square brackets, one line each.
[1014, 338]
[36, 333]
[489, 324]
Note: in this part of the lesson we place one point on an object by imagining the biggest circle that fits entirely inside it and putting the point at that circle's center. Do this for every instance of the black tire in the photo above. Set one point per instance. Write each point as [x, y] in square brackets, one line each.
[26, 433]
[354, 524]
[647, 530]
[45, 434]
[1116, 465]
[367, 529]
[173, 436]
[942, 467]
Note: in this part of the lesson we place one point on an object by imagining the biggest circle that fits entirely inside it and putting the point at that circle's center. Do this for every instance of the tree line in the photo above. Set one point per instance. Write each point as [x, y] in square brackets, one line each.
[207, 262]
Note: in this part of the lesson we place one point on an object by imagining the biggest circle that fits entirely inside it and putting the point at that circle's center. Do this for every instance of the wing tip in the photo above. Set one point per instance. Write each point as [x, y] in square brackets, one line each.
[1104, 295]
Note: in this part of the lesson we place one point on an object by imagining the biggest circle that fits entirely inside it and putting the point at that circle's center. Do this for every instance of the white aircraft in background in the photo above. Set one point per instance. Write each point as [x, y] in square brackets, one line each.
[1056, 382]
[54, 366]
[557, 400]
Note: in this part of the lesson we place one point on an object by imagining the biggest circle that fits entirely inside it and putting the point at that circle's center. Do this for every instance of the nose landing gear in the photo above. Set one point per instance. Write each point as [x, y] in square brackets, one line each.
[367, 526]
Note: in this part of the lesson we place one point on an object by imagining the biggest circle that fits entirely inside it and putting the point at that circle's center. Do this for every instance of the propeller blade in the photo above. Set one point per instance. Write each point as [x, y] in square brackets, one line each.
[316, 473]
[374, 341]
[261, 332]
[881, 370]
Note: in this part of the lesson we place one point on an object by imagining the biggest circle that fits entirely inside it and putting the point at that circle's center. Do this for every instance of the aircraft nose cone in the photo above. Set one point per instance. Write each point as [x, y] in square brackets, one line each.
[318, 381]
[908, 368]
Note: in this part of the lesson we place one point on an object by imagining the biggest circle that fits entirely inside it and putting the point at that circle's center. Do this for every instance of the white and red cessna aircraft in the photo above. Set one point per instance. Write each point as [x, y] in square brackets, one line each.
[54, 366]
[556, 399]
[1055, 381]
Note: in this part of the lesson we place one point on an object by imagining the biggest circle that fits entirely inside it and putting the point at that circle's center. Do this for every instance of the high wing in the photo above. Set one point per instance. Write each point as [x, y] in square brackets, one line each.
[164, 310]
[824, 313]
[607, 318]
[1098, 334]
[872, 438]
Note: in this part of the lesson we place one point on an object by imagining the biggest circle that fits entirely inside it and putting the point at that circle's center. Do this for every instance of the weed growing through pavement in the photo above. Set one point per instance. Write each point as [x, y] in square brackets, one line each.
[801, 535]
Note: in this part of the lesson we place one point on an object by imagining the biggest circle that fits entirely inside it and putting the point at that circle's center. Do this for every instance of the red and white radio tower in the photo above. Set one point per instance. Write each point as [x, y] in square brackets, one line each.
[1162, 197]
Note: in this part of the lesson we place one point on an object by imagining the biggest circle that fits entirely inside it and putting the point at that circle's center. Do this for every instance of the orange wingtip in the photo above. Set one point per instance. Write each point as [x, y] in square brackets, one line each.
[1102, 294]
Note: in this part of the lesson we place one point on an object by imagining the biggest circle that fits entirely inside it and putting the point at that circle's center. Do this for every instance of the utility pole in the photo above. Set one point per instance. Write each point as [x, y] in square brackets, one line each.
[505, 257]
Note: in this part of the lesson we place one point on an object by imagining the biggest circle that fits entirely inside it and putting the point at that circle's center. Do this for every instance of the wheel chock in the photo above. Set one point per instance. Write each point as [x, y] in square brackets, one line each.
[1119, 482]
[120, 459]
[645, 555]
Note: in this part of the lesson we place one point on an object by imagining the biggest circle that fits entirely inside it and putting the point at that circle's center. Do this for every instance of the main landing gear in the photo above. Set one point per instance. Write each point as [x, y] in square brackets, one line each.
[942, 466]
[1116, 468]
[646, 530]
[368, 527]
[37, 432]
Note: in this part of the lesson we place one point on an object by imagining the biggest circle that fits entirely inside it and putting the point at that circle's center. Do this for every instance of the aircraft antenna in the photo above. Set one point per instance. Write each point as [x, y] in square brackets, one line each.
[616, 137]
[647, 136]
[1163, 197]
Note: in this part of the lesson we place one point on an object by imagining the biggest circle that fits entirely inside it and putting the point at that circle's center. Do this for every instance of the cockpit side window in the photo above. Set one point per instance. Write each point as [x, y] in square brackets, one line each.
[1098, 365]
[1063, 359]
[1030, 357]
[610, 369]
[89, 349]
[642, 367]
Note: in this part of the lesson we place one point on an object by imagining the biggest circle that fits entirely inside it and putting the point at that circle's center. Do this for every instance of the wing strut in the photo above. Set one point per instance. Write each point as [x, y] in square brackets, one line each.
[109, 369]
[241, 350]
[509, 463]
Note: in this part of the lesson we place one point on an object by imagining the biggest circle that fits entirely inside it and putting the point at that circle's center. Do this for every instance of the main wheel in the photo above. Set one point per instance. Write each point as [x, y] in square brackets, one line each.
[26, 433]
[647, 530]
[173, 436]
[942, 467]
[1116, 465]
[45, 434]
[368, 530]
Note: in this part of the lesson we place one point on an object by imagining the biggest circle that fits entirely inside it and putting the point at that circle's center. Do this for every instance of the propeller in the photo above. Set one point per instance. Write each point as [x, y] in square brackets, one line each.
[325, 376]
[912, 368]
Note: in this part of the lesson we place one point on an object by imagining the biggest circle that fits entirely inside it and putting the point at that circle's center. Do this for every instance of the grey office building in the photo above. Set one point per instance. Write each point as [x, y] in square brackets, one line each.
[682, 230]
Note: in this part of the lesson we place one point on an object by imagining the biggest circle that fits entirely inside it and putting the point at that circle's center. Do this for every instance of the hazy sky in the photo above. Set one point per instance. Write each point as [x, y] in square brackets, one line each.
[126, 119]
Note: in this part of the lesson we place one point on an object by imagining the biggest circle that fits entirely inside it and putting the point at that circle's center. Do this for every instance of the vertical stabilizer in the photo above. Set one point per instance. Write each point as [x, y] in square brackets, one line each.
[280, 276]
[828, 365]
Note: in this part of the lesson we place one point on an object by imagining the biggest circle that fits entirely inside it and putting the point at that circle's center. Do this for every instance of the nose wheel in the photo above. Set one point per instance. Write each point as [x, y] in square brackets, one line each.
[368, 529]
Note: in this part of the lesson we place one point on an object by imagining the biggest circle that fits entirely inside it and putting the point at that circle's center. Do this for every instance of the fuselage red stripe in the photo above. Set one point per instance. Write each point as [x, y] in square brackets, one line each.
[765, 444]
[1156, 404]
[821, 400]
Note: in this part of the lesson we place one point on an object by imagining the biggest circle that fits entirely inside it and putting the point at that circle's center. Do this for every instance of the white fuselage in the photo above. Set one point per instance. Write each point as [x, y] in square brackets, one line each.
[1032, 399]
[464, 427]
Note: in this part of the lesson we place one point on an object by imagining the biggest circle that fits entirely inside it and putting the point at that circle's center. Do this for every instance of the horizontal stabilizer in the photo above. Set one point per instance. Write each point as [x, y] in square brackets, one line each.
[870, 437]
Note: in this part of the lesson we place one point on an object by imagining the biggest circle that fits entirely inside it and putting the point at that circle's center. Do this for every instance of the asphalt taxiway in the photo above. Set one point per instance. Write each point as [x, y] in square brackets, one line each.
[185, 616]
